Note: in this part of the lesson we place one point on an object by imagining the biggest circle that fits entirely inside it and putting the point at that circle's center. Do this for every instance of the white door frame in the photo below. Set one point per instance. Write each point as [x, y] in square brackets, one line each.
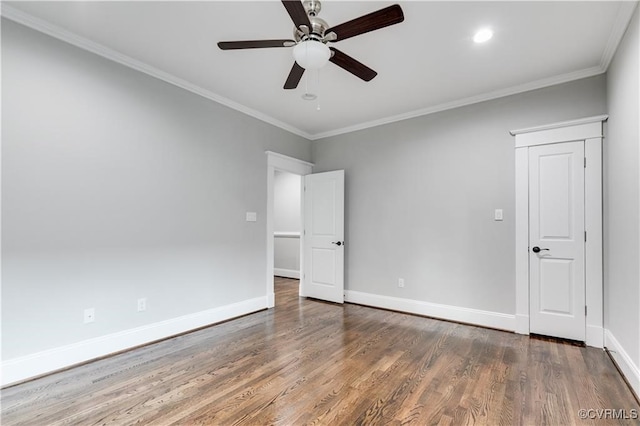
[589, 130]
[281, 163]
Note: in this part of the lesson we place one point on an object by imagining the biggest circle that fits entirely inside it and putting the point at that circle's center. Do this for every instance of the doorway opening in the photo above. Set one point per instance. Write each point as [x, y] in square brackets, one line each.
[285, 219]
[287, 224]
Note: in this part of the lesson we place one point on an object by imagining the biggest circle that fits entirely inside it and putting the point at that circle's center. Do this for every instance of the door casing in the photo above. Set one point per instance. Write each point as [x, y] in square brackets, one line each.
[589, 130]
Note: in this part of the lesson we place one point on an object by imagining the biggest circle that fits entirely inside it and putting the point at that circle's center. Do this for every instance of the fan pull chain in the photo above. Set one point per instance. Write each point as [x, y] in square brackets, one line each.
[309, 96]
[318, 89]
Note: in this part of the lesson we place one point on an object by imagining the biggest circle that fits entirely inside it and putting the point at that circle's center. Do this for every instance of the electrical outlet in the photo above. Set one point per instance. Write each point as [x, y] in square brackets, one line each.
[142, 304]
[89, 315]
[400, 282]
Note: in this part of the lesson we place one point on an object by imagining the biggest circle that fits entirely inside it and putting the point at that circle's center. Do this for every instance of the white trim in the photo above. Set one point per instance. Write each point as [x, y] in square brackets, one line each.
[625, 13]
[590, 130]
[286, 234]
[522, 240]
[288, 164]
[630, 370]
[594, 266]
[287, 273]
[111, 54]
[283, 163]
[447, 312]
[594, 119]
[578, 132]
[25, 367]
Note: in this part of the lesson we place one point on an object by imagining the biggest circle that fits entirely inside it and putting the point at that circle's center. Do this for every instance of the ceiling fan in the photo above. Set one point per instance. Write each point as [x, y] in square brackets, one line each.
[312, 34]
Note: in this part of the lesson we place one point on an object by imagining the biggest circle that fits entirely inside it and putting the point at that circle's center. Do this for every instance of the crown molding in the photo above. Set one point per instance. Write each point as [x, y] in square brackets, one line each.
[625, 13]
[538, 84]
[55, 31]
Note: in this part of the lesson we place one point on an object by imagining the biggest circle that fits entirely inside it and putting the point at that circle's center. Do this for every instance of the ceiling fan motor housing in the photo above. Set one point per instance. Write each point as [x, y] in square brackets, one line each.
[318, 25]
[316, 32]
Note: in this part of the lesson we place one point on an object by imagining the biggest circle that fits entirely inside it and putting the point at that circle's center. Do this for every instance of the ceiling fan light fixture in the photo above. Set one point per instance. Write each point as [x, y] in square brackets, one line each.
[311, 54]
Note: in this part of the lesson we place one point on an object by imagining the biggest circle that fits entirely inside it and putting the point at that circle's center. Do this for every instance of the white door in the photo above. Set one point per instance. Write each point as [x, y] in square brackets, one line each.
[324, 236]
[557, 240]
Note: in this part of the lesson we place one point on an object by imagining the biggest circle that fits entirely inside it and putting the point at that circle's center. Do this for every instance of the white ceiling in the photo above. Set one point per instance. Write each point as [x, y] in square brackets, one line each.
[426, 63]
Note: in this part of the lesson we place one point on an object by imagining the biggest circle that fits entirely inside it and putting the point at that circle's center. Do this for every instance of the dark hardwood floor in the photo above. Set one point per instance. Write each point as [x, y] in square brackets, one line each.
[310, 362]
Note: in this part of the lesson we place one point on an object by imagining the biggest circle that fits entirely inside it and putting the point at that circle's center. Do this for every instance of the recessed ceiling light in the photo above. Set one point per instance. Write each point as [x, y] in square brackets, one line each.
[483, 35]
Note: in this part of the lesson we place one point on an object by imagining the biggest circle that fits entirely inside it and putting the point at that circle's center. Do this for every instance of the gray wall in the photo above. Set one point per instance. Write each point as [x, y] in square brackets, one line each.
[286, 202]
[421, 194]
[622, 196]
[117, 186]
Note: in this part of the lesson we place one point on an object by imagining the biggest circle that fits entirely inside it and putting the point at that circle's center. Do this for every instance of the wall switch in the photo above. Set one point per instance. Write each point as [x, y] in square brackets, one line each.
[89, 315]
[142, 304]
[252, 216]
[400, 282]
[498, 214]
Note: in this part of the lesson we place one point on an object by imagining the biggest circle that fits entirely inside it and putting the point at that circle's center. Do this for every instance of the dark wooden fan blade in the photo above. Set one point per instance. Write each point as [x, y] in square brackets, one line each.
[354, 67]
[297, 12]
[373, 21]
[254, 44]
[294, 76]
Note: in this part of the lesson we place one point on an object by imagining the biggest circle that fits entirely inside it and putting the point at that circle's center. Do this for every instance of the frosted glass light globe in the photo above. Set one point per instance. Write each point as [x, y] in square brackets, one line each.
[311, 54]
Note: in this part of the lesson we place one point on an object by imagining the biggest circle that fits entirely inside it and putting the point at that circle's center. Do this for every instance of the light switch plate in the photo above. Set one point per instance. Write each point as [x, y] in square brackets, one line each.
[252, 216]
[498, 214]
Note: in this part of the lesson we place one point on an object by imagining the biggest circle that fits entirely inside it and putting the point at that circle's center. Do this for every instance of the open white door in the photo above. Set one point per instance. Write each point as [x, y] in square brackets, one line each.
[324, 237]
[557, 240]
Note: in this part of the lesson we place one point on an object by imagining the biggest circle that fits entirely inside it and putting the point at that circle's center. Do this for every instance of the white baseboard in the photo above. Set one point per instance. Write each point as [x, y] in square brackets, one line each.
[25, 367]
[453, 313]
[630, 370]
[287, 273]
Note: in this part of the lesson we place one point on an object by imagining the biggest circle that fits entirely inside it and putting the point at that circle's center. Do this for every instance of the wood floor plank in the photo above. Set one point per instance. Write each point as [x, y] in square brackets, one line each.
[317, 363]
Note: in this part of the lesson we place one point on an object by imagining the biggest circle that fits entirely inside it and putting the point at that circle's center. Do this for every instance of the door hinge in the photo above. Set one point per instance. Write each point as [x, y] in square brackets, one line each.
[585, 310]
[585, 236]
[585, 162]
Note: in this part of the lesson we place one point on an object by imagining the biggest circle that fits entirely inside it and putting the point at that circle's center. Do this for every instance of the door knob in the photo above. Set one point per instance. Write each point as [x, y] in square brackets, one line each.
[338, 243]
[537, 249]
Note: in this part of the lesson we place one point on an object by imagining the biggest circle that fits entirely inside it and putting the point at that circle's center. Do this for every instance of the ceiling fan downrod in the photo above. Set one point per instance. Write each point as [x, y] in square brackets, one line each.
[312, 7]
